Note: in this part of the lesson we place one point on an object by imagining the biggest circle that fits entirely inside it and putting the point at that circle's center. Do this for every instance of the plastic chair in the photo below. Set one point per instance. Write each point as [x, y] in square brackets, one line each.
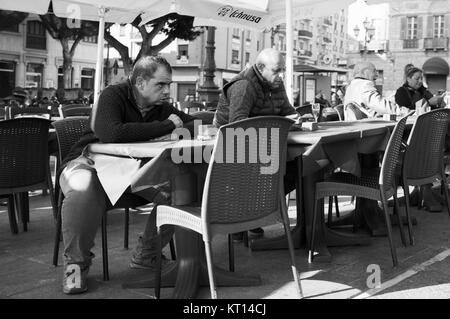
[340, 111]
[24, 164]
[353, 108]
[74, 110]
[423, 160]
[68, 132]
[236, 196]
[12, 112]
[375, 184]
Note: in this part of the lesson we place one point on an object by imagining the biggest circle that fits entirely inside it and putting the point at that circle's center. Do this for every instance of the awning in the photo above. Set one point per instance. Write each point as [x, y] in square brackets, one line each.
[436, 65]
[318, 69]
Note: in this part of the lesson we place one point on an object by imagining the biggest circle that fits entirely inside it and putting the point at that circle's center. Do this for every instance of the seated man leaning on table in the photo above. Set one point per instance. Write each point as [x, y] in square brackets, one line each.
[257, 91]
[133, 111]
[363, 94]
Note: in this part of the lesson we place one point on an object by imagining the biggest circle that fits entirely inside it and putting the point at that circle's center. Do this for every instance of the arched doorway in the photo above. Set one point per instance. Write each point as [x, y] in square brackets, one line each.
[436, 71]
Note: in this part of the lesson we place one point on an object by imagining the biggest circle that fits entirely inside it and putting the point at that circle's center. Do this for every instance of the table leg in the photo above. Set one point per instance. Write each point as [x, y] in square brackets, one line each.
[324, 238]
[190, 270]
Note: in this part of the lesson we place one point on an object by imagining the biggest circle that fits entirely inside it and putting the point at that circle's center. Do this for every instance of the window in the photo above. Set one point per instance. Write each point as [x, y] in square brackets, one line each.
[33, 76]
[411, 28]
[248, 35]
[236, 33]
[36, 38]
[87, 79]
[7, 77]
[247, 57]
[183, 50]
[90, 39]
[438, 26]
[234, 57]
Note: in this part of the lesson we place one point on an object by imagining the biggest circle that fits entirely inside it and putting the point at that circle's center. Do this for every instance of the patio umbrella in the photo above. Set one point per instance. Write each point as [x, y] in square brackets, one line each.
[254, 14]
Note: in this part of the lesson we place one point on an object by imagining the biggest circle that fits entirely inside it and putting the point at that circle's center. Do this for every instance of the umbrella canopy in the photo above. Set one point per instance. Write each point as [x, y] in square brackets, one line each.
[254, 14]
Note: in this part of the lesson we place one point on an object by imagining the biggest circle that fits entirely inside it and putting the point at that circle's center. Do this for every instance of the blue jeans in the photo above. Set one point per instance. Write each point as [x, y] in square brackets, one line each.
[84, 203]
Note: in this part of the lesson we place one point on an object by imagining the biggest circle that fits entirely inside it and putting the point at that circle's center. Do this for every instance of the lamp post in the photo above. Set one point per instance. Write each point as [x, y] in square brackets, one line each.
[369, 32]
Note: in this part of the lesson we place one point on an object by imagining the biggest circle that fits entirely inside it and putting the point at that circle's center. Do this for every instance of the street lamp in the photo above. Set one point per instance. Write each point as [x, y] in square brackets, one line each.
[369, 32]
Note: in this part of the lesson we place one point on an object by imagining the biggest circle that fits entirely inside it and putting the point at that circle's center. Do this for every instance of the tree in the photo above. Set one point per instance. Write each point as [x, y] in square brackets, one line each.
[10, 18]
[59, 29]
[172, 25]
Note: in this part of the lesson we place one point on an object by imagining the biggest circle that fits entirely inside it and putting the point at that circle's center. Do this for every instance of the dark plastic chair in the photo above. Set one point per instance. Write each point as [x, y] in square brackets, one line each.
[236, 196]
[340, 111]
[12, 112]
[353, 107]
[74, 110]
[423, 160]
[68, 132]
[375, 184]
[24, 162]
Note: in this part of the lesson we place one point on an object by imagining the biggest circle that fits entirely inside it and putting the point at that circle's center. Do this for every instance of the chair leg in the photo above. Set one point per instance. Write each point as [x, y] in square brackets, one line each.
[12, 214]
[105, 247]
[209, 262]
[408, 215]
[313, 231]
[389, 229]
[158, 264]
[57, 237]
[444, 186]
[399, 219]
[245, 238]
[336, 202]
[172, 249]
[52, 194]
[330, 210]
[126, 227]
[230, 252]
[287, 231]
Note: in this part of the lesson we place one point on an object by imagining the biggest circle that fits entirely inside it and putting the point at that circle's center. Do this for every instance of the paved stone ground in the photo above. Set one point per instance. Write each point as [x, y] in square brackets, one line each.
[26, 270]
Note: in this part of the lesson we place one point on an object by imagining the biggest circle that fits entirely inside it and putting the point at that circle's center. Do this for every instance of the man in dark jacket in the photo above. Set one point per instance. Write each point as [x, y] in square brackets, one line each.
[133, 111]
[256, 91]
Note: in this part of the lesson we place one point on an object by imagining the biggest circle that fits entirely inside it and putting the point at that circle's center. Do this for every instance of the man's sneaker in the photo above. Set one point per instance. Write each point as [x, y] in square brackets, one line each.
[75, 279]
[149, 262]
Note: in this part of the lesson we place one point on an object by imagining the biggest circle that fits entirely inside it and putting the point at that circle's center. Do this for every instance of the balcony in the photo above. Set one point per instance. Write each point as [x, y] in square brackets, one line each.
[436, 44]
[410, 44]
[305, 33]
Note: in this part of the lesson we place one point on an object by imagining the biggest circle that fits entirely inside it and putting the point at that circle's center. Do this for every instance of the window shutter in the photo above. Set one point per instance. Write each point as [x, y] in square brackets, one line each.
[403, 27]
[446, 25]
[419, 27]
[430, 26]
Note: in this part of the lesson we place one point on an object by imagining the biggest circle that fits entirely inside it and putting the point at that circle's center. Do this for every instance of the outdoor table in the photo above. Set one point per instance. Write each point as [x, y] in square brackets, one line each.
[190, 270]
[337, 143]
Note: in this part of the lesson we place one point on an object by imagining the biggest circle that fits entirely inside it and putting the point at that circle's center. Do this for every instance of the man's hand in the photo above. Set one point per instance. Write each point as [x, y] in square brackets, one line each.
[176, 120]
[436, 100]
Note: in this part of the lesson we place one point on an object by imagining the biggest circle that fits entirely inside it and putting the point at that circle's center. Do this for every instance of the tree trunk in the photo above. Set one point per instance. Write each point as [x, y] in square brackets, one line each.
[67, 63]
[123, 51]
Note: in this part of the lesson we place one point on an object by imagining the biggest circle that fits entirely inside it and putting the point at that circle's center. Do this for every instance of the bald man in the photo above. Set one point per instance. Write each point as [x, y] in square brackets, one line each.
[256, 91]
[362, 92]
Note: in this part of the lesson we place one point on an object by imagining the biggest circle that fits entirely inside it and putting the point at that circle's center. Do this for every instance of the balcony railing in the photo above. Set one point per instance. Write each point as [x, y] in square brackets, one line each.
[305, 33]
[410, 44]
[435, 43]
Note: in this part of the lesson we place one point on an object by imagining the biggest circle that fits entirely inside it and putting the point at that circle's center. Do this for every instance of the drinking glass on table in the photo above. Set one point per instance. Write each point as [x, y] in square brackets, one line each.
[315, 108]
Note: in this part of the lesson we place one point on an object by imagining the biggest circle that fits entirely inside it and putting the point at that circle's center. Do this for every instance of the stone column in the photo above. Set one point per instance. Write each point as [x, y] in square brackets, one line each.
[209, 92]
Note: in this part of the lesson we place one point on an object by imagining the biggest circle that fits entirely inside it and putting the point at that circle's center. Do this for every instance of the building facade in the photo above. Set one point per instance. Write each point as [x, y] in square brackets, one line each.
[31, 59]
[417, 33]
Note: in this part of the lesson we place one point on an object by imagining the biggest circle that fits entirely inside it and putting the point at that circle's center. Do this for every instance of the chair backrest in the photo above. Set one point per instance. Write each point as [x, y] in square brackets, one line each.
[74, 110]
[340, 111]
[391, 157]
[68, 132]
[23, 152]
[425, 147]
[207, 117]
[352, 107]
[12, 112]
[242, 183]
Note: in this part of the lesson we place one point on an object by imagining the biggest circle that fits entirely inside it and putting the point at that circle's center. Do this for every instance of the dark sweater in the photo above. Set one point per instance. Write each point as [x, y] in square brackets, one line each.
[407, 96]
[118, 120]
[249, 95]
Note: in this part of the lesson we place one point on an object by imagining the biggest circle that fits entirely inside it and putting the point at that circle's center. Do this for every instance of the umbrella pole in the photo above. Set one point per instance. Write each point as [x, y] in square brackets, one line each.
[289, 51]
[99, 65]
